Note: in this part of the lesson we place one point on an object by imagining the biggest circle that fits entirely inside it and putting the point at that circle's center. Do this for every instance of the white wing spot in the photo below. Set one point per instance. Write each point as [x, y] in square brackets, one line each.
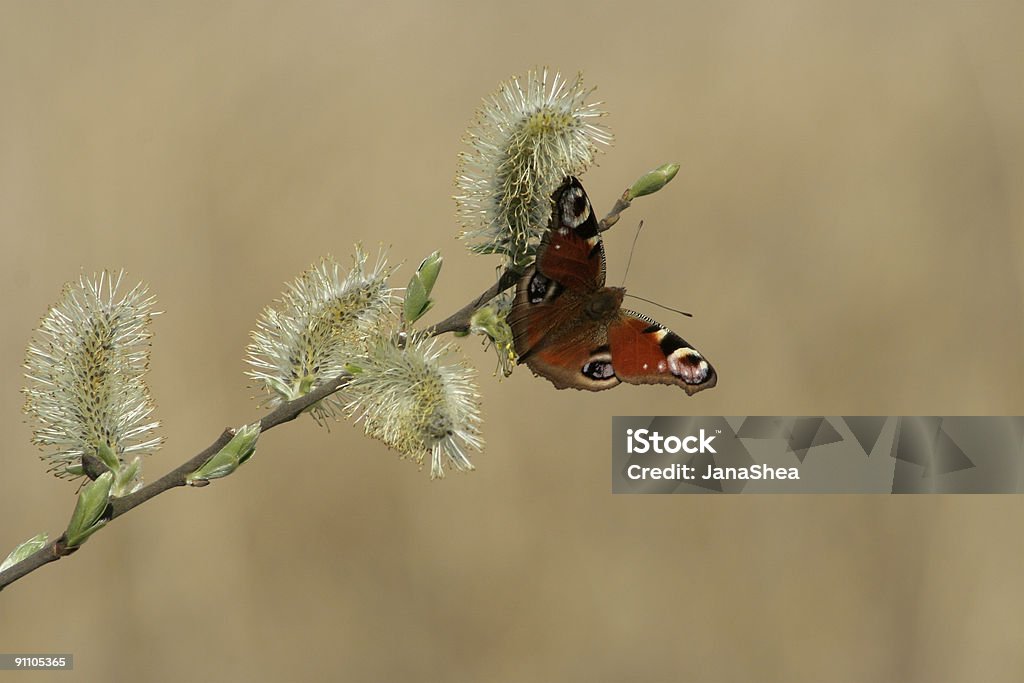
[689, 366]
[569, 215]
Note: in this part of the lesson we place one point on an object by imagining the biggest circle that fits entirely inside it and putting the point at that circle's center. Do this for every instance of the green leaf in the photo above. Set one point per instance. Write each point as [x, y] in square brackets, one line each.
[88, 515]
[27, 548]
[107, 456]
[228, 459]
[417, 294]
[126, 478]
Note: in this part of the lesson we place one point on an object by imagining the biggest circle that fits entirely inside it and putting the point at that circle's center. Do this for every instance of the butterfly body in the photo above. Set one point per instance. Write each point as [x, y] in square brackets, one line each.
[570, 328]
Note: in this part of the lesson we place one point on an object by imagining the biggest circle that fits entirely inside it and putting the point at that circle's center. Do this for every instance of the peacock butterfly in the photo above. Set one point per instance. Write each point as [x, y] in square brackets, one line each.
[568, 327]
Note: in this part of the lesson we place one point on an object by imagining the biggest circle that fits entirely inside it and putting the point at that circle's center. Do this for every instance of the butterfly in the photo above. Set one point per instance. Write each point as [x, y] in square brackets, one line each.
[568, 327]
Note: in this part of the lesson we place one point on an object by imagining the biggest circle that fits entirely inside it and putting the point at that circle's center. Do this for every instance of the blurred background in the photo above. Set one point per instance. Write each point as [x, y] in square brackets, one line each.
[846, 228]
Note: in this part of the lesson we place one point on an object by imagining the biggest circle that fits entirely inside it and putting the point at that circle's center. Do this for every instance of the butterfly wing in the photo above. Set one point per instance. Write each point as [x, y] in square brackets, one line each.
[571, 252]
[574, 365]
[570, 264]
[644, 352]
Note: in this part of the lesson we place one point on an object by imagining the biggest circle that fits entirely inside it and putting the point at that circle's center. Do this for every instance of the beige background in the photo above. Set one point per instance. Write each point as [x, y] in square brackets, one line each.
[846, 228]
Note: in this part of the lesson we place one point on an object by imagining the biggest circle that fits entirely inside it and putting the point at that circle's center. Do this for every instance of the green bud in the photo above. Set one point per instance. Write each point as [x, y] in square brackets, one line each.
[88, 515]
[429, 269]
[417, 294]
[228, 459]
[652, 181]
[107, 456]
[126, 478]
[27, 548]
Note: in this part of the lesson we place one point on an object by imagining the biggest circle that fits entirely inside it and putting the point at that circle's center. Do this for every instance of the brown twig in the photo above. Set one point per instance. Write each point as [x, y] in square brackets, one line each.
[459, 320]
[286, 412]
[57, 549]
[621, 204]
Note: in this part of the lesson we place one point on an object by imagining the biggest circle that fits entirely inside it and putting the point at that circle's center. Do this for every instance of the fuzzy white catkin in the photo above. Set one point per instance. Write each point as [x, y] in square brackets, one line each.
[323, 320]
[526, 138]
[407, 397]
[85, 368]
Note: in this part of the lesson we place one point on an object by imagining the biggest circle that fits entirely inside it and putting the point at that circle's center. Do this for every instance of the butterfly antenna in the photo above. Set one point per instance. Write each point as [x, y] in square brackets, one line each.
[630, 259]
[667, 308]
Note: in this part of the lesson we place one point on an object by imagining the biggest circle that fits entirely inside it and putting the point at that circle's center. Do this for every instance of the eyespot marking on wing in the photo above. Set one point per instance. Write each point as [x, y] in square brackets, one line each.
[541, 289]
[574, 208]
[689, 366]
[599, 367]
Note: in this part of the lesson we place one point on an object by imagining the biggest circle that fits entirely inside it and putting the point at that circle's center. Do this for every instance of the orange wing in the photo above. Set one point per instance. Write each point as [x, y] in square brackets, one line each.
[644, 352]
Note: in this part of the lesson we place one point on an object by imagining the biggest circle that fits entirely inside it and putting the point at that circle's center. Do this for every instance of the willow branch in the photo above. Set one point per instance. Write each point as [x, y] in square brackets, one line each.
[459, 320]
[286, 412]
[621, 204]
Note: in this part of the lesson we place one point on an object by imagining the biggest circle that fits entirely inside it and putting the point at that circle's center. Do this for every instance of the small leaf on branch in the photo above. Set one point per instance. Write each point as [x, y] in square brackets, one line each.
[88, 515]
[417, 294]
[25, 549]
[228, 459]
